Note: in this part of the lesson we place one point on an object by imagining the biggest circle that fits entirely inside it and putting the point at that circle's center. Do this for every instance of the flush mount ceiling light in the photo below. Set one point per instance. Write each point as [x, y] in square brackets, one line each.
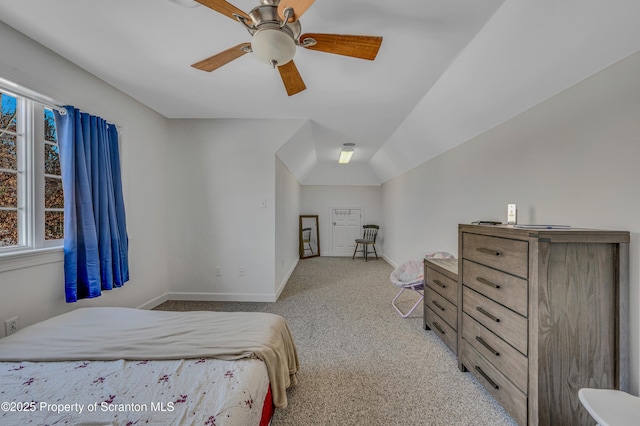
[345, 153]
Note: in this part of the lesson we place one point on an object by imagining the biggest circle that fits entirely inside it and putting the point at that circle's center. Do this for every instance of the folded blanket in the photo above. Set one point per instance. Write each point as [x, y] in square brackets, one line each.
[102, 334]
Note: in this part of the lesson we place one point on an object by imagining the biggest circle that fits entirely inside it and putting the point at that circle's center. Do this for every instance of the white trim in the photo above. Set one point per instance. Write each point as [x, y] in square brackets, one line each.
[31, 257]
[17, 90]
[220, 297]
[389, 261]
[154, 302]
[223, 297]
[31, 181]
[35, 135]
[207, 297]
[284, 282]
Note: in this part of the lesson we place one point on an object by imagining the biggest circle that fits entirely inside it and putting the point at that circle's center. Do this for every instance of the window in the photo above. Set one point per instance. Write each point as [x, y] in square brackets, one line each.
[31, 196]
[53, 195]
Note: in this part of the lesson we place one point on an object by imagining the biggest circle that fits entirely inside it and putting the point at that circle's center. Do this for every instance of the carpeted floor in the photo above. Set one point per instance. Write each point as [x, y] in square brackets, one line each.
[361, 363]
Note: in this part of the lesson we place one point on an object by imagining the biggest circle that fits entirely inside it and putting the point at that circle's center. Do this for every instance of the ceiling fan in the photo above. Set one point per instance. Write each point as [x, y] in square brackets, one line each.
[275, 29]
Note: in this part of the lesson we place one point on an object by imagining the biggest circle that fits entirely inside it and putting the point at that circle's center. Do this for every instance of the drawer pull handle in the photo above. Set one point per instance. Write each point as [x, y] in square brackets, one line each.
[487, 378]
[497, 253]
[488, 314]
[487, 282]
[439, 284]
[437, 305]
[437, 327]
[486, 345]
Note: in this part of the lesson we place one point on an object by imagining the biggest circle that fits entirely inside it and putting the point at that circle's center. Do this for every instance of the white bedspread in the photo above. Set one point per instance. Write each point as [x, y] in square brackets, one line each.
[101, 334]
[183, 392]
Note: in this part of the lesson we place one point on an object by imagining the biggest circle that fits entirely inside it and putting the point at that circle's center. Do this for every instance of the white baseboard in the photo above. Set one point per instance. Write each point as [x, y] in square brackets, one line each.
[154, 302]
[283, 284]
[209, 297]
[222, 297]
[390, 262]
[227, 297]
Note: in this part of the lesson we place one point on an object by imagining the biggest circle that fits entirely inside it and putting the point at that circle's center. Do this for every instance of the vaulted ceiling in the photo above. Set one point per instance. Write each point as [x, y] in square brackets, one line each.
[446, 70]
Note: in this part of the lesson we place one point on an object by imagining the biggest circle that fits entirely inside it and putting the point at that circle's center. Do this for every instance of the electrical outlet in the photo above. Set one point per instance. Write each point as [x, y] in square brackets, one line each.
[218, 271]
[11, 325]
[241, 272]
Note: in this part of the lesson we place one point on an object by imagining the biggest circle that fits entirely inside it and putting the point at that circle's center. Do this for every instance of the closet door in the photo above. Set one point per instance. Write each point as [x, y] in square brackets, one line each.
[346, 226]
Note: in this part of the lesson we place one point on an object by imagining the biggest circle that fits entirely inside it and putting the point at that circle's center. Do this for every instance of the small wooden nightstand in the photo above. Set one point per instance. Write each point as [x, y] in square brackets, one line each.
[441, 300]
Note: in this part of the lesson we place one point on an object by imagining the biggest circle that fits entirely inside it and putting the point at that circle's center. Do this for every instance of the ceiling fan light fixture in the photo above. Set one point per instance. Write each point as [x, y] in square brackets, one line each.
[273, 46]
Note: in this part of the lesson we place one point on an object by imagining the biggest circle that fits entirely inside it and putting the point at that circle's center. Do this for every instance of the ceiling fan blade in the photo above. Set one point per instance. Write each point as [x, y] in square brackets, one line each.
[221, 6]
[222, 58]
[299, 7]
[363, 47]
[291, 78]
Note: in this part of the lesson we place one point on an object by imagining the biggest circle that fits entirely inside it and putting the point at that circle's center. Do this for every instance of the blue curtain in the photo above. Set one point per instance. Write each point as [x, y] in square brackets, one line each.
[95, 233]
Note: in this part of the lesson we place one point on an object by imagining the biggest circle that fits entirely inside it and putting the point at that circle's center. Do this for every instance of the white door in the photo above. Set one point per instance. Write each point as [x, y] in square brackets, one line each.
[346, 227]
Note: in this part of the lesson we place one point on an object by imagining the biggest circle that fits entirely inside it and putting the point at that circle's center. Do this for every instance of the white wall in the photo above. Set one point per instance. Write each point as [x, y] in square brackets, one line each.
[527, 52]
[320, 199]
[35, 293]
[222, 171]
[287, 211]
[572, 159]
[356, 173]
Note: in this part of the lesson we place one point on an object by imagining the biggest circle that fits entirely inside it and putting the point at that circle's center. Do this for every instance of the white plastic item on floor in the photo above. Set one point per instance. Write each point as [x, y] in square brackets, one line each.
[410, 276]
[610, 407]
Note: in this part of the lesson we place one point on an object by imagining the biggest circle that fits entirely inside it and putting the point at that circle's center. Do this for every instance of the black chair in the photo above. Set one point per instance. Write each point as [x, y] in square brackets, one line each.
[368, 239]
[306, 239]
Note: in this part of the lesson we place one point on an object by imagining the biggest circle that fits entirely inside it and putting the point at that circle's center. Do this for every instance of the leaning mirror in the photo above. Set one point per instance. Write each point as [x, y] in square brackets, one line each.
[309, 239]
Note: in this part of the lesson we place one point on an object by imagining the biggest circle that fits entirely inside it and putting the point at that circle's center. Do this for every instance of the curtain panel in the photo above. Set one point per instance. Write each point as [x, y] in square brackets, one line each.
[95, 233]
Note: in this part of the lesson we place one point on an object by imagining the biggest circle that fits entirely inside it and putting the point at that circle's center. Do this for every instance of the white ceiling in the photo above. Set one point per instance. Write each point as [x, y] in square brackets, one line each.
[145, 48]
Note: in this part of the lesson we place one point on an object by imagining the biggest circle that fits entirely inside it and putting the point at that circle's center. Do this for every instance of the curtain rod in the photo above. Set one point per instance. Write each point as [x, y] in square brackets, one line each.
[14, 89]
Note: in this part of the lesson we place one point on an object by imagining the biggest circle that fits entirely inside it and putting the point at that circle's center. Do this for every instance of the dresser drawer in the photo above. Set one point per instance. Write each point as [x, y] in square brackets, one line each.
[443, 285]
[507, 255]
[509, 361]
[447, 334]
[505, 323]
[505, 392]
[505, 289]
[445, 309]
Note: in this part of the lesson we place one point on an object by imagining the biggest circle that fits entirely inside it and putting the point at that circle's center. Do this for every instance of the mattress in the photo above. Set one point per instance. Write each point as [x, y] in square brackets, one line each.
[176, 392]
[122, 366]
[110, 334]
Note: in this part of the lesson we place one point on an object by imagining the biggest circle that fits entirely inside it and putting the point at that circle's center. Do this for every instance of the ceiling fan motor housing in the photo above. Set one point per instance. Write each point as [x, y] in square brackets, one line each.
[272, 42]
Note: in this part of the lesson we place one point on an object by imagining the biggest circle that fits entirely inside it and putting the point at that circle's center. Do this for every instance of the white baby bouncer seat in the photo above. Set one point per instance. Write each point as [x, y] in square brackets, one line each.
[410, 276]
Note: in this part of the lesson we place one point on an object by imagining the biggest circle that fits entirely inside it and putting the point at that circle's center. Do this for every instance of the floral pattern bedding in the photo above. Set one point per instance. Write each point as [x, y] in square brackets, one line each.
[201, 391]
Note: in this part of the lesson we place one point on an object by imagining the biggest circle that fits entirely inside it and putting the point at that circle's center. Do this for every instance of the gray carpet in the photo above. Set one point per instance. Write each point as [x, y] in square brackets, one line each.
[361, 363]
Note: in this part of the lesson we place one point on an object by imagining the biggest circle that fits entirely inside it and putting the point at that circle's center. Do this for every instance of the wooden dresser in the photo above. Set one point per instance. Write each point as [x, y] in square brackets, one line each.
[542, 313]
[441, 300]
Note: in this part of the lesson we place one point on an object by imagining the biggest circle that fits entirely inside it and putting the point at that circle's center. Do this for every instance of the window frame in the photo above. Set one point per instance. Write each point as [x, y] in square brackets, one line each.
[30, 141]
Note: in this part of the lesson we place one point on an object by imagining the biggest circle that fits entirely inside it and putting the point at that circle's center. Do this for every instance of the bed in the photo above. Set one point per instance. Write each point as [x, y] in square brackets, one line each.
[121, 366]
